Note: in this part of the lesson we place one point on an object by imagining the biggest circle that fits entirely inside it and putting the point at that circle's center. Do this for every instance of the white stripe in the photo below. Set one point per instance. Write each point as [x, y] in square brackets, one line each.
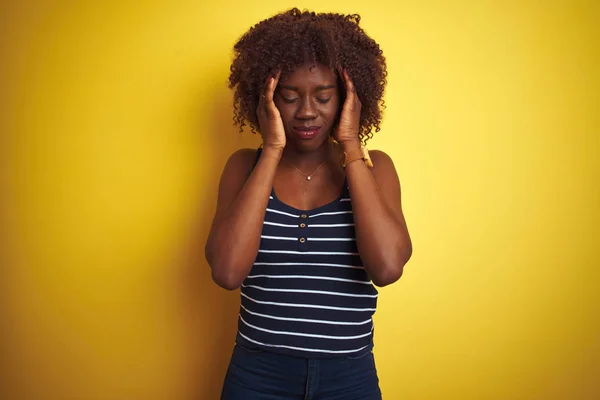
[282, 346]
[276, 224]
[312, 253]
[372, 296]
[331, 239]
[345, 199]
[314, 321]
[305, 334]
[312, 264]
[271, 198]
[328, 225]
[282, 213]
[330, 213]
[324, 278]
[299, 305]
[278, 238]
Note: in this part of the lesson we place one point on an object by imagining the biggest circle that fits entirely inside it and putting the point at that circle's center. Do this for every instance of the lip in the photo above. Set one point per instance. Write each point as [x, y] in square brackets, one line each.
[306, 132]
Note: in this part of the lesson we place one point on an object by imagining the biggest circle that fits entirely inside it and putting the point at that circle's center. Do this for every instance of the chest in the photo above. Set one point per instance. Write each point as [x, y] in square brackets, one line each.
[295, 190]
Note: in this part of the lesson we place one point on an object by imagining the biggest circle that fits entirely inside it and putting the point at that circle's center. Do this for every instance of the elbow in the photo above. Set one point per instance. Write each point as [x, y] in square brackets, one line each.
[225, 279]
[221, 272]
[387, 277]
[393, 269]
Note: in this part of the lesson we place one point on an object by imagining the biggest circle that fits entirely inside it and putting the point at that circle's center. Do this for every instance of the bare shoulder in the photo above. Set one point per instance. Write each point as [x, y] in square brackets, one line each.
[237, 170]
[387, 179]
[382, 163]
[240, 163]
[384, 171]
[234, 176]
[243, 157]
[380, 157]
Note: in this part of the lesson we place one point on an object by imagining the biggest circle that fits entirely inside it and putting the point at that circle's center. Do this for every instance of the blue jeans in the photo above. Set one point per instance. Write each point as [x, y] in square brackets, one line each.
[255, 374]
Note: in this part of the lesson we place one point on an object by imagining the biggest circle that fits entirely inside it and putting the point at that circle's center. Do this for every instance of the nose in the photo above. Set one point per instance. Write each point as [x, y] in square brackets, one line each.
[306, 110]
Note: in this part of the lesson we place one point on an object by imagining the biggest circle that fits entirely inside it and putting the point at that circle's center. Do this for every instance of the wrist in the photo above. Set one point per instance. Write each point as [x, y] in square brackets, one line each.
[350, 145]
[273, 151]
[352, 152]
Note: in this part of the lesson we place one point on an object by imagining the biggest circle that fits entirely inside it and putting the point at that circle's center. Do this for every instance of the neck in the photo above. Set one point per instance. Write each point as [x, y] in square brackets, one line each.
[308, 160]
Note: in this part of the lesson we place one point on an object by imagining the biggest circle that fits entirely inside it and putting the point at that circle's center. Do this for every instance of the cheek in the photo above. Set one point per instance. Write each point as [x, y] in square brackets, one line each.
[286, 112]
[331, 112]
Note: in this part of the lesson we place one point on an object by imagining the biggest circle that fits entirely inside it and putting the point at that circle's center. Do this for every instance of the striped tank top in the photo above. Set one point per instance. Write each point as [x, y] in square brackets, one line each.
[308, 294]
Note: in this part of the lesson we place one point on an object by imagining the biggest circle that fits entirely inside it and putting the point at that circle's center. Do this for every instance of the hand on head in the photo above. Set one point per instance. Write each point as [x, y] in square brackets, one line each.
[269, 118]
[346, 132]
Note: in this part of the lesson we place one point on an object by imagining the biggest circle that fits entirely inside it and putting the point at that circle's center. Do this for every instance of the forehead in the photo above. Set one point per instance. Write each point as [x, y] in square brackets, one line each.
[309, 74]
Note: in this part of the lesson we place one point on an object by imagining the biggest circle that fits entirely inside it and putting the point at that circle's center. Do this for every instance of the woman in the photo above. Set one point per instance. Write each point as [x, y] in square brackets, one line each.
[310, 222]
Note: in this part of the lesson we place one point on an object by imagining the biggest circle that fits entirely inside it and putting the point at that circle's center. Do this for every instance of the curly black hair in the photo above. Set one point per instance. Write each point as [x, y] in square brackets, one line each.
[284, 41]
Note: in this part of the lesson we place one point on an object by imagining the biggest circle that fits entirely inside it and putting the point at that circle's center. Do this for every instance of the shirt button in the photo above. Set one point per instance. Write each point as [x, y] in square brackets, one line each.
[303, 216]
[302, 240]
[303, 225]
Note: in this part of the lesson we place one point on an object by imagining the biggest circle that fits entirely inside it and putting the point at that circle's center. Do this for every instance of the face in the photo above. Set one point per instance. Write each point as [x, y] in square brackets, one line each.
[308, 101]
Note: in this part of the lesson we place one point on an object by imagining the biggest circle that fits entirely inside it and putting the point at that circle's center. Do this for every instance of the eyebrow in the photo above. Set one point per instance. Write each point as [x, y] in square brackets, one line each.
[319, 88]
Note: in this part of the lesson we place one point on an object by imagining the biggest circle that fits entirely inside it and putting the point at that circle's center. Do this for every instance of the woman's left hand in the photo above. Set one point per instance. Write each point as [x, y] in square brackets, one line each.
[347, 131]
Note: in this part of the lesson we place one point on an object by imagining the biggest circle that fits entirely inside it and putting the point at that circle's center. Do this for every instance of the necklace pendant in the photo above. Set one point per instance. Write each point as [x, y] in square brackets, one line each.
[308, 178]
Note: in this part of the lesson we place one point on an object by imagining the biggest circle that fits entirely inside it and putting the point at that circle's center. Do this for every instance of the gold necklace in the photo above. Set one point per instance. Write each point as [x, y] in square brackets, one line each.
[308, 177]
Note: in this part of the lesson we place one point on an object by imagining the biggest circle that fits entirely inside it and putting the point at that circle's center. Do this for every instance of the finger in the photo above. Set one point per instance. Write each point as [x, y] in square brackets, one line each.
[349, 84]
[270, 93]
[340, 72]
[276, 79]
[263, 94]
[351, 94]
[270, 107]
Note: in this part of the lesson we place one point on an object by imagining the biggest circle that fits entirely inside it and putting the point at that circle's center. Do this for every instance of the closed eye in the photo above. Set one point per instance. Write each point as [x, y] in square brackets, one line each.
[323, 101]
[289, 100]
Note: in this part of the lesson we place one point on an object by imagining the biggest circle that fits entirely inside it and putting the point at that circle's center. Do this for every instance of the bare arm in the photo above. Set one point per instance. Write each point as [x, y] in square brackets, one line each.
[234, 237]
[381, 233]
[382, 238]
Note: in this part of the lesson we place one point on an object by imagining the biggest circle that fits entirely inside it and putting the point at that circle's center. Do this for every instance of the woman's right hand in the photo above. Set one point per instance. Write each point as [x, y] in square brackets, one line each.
[269, 118]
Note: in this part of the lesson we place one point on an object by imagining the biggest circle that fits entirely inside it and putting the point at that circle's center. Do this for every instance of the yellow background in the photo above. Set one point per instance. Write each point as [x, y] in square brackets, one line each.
[115, 122]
